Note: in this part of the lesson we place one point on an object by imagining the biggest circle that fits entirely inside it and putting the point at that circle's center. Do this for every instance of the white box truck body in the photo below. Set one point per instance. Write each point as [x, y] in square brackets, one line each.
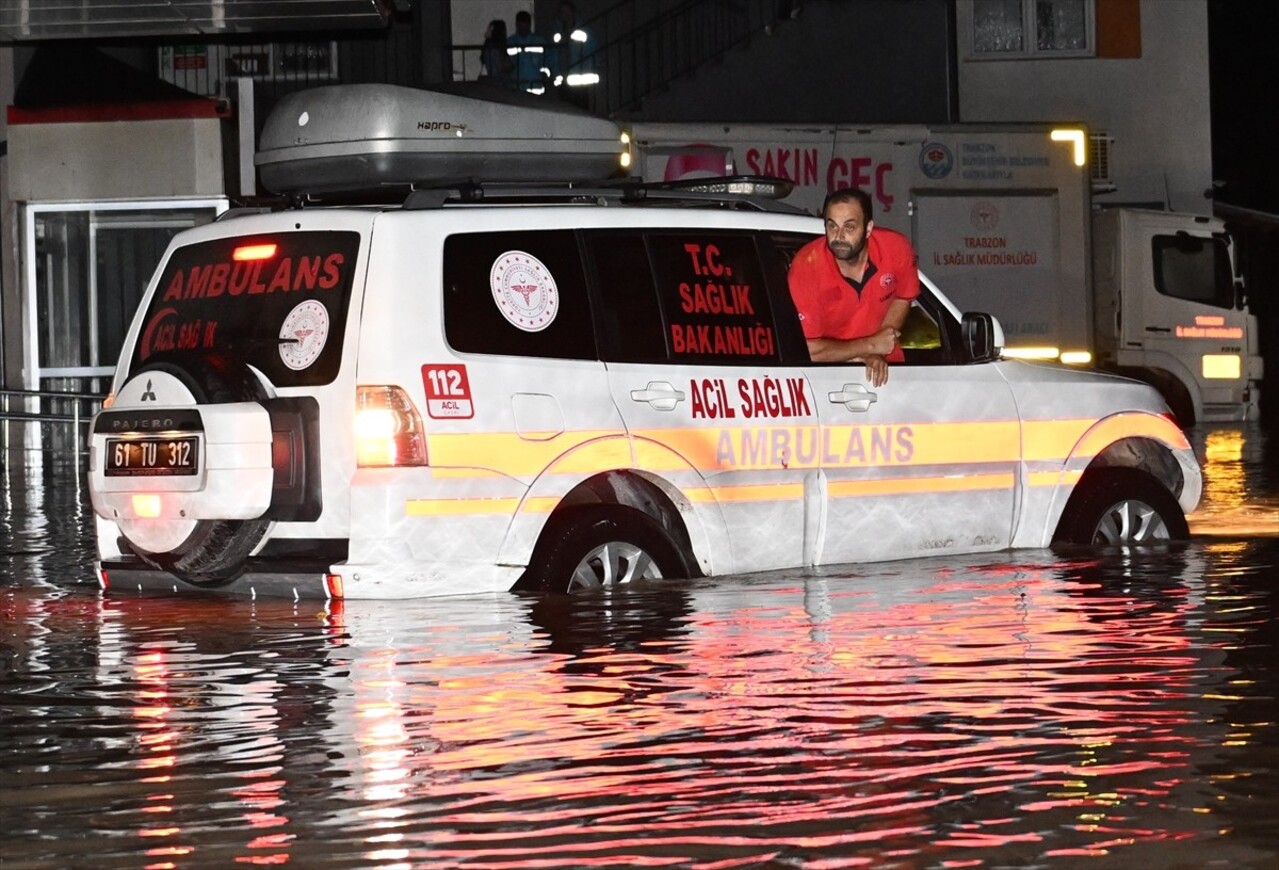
[1002, 219]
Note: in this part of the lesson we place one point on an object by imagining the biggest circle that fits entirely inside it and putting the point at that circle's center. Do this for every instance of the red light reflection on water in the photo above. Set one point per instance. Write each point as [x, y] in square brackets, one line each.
[170, 720]
[980, 711]
[881, 713]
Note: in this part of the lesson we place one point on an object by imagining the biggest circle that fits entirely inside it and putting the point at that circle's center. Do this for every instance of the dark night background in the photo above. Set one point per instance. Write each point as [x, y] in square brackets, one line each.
[1244, 92]
[1243, 64]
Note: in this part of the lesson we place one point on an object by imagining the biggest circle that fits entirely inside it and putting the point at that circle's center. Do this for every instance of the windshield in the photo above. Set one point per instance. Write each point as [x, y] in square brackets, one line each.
[1194, 268]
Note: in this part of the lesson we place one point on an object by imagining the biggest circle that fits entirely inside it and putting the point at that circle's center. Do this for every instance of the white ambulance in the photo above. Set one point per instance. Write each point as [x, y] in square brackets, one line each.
[490, 387]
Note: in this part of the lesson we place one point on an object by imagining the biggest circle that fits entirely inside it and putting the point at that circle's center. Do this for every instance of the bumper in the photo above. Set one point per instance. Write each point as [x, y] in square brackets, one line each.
[296, 580]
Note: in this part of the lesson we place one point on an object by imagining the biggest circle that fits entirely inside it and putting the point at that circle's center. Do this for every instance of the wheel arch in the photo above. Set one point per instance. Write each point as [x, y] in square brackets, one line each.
[1145, 442]
[629, 488]
[630, 472]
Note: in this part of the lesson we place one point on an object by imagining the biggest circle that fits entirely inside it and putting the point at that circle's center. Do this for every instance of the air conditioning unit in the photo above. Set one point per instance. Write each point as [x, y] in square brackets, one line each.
[1099, 162]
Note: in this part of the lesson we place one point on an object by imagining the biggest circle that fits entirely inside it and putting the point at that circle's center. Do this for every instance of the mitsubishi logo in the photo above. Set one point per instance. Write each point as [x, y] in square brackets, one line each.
[148, 395]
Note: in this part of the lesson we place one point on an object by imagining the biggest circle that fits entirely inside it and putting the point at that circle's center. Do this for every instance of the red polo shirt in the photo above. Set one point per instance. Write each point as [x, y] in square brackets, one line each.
[830, 307]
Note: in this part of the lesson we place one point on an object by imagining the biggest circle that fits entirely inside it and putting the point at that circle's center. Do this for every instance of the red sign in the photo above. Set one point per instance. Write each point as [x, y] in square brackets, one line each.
[448, 392]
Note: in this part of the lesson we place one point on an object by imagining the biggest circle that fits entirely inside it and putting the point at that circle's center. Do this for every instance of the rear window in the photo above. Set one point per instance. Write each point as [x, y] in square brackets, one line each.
[278, 302]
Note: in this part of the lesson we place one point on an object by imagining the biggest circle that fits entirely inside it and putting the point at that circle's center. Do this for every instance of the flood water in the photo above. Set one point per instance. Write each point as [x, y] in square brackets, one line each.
[1028, 709]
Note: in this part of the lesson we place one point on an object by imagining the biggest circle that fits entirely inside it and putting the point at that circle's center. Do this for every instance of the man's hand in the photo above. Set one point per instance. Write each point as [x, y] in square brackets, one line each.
[882, 342]
[876, 369]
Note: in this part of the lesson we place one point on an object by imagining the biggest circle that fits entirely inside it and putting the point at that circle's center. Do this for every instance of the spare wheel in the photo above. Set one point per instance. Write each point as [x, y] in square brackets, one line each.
[205, 538]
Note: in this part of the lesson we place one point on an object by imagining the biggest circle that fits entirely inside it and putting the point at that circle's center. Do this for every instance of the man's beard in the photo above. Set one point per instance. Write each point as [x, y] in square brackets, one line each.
[847, 250]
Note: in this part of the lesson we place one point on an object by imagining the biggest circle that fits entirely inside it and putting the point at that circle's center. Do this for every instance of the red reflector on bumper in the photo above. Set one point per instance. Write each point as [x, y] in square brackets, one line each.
[333, 583]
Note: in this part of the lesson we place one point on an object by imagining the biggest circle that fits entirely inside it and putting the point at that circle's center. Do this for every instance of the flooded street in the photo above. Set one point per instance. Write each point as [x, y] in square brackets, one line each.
[1027, 709]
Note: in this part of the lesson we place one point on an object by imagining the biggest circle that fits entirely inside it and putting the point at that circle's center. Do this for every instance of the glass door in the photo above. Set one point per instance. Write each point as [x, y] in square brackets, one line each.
[85, 267]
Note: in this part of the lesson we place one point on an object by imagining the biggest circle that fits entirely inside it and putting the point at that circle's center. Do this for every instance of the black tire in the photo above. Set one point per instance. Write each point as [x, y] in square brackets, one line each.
[603, 547]
[1121, 506]
[215, 550]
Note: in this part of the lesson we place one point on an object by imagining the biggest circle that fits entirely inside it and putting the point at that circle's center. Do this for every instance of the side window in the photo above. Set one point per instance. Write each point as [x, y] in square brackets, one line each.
[779, 250]
[929, 331]
[1194, 268]
[922, 339]
[517, 294]
[714, 300]
[630, 318]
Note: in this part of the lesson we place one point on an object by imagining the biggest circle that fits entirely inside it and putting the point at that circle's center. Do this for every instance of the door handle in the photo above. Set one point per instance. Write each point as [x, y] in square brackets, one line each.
[661, 395]
[854, 397]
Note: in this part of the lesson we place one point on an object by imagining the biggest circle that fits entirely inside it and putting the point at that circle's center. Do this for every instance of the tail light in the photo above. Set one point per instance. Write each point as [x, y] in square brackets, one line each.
[388, 429]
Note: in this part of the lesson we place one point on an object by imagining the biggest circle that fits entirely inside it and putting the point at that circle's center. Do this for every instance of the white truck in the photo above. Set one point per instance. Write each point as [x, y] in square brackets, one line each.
[1002, 218]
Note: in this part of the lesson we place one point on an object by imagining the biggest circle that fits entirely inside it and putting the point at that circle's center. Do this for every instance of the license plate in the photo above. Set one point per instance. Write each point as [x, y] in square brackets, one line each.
[149, 457]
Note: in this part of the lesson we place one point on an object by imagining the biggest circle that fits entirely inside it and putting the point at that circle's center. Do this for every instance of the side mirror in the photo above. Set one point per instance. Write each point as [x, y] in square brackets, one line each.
[982, 335]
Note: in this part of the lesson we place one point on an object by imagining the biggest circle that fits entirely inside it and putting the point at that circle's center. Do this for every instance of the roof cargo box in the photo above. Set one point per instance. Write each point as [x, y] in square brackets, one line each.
[361, 137]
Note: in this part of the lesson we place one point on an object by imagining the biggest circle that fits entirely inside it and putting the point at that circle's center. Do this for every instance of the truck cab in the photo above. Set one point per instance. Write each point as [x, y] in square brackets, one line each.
[1170, 311]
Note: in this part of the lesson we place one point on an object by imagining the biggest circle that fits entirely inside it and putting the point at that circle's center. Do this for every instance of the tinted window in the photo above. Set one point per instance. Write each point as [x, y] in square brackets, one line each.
[1194, 268]
[278, 302]
[779, 250]
[630, 319]
[713, 298]
[517, 294]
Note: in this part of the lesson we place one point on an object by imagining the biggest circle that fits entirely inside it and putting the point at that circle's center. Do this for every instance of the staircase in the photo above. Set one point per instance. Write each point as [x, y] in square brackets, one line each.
[645, 46]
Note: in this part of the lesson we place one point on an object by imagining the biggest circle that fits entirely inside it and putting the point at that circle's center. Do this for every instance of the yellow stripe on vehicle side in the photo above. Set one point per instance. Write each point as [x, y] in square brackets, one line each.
[921, 485]
[714, 449]
[1053, 478]
[508, 453]
[1061, 439]
[441, 507]
[1132, 425]
[759, 492]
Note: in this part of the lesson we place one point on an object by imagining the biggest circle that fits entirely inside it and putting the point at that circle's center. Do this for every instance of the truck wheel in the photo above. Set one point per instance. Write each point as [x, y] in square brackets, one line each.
[1121, 506]
[603, 547]
[215, 550]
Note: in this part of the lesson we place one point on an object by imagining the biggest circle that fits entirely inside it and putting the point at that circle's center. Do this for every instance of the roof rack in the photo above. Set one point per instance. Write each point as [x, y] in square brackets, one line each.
[756, 192]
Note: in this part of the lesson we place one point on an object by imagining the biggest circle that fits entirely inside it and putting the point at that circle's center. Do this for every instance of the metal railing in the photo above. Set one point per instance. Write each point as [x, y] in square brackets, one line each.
[642, 46]
[641, 53]
[46, 420]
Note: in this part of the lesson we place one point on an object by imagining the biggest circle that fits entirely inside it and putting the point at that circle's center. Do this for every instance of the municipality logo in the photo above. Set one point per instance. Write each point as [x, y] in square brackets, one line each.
[936, 161]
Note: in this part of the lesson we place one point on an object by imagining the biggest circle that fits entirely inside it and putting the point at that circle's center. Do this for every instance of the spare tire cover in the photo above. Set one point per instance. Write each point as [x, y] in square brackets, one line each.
[196, 550]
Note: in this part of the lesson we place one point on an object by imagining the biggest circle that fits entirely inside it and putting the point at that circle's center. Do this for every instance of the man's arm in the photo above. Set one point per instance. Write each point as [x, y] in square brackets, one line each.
[880, 343]
[870, 350]
[898, 309]
[850, 349]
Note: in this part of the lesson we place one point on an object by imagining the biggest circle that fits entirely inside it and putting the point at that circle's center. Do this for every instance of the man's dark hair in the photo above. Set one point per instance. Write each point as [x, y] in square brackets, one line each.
[849, 194]
[523, 15]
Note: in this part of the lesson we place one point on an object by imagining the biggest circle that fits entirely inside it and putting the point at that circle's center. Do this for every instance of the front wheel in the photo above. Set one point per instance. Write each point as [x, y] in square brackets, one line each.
[604, 548]
[1121, 506]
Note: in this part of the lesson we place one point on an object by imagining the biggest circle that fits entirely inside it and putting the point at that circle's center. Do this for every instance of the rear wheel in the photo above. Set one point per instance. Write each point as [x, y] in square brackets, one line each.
[1121, 506]
[607, 547]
